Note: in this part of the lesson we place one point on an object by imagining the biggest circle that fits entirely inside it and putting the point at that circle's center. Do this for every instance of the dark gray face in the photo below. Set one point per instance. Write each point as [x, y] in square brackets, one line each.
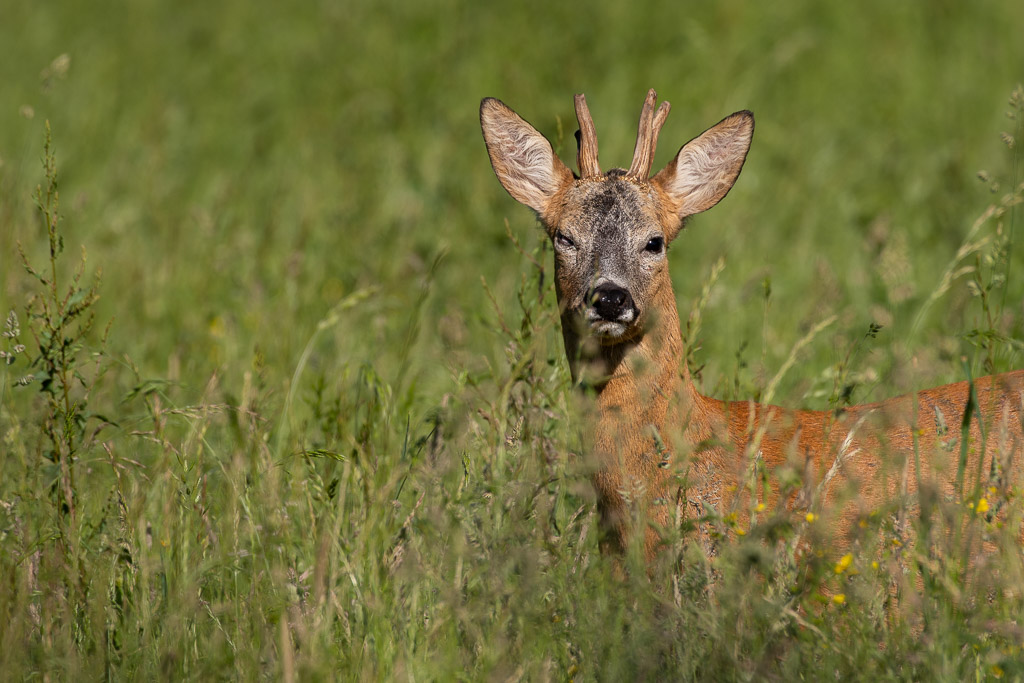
[610, 231]
[609, 254]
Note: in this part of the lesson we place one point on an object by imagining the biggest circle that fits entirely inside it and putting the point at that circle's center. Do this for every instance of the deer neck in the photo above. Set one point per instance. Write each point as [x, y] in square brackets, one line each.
[643, 388]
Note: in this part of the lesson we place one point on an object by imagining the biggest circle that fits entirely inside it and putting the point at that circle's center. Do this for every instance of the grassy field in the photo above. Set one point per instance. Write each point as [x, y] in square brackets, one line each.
[314, 418]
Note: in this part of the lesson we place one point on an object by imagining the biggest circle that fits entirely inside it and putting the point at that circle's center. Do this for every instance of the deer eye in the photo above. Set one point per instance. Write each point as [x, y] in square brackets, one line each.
[563, 240]
[655, 245]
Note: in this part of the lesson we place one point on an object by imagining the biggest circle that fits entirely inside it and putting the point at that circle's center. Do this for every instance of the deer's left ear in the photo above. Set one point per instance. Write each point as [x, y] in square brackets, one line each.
[706, 167]
[522, 158]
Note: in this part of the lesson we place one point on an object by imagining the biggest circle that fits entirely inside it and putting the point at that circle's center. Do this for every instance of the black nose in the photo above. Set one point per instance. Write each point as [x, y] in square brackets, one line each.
[610, 301]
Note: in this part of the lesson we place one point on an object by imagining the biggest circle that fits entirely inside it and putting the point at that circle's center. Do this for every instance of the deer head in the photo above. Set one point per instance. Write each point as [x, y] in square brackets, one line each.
[610, 231]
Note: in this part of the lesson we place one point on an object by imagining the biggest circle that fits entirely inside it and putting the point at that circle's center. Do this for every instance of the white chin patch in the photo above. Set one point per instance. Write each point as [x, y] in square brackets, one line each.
[608, 329]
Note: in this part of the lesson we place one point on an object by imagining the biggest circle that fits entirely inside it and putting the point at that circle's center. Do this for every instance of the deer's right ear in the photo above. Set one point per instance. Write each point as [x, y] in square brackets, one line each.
[521, 157]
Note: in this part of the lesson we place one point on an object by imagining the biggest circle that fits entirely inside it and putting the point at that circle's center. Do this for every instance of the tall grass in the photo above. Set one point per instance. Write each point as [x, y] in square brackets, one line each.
[304, 439]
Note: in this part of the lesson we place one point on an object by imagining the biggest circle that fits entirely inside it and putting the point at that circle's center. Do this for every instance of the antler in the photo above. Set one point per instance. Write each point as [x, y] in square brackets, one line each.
[586, 140]
[647, 136]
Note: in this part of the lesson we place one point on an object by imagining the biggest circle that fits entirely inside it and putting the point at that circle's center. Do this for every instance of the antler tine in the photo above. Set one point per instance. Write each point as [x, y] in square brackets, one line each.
[659, 121]
[647, 136]
[586, 140]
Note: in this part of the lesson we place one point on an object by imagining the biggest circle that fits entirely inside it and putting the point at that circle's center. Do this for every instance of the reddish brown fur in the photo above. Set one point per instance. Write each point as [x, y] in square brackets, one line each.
[661, 448]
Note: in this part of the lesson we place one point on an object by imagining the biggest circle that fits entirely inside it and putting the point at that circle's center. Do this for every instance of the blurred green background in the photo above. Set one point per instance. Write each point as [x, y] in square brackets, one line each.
[238, 168]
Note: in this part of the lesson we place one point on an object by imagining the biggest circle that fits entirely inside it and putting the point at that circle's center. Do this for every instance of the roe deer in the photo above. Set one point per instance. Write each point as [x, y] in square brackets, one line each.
[660, 446]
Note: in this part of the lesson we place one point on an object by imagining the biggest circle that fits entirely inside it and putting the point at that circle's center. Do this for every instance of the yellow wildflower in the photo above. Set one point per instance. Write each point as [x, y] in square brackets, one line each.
[982, 506]
[844, 563]
[839, 598]
[810, 517]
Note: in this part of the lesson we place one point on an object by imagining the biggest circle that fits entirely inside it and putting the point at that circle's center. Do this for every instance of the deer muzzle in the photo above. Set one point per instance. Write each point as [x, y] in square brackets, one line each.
[611, 310]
